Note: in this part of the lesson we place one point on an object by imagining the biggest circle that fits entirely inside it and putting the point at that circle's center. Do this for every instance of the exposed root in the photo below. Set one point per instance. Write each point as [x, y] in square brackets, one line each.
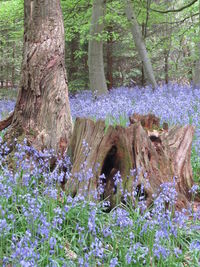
[7, 122]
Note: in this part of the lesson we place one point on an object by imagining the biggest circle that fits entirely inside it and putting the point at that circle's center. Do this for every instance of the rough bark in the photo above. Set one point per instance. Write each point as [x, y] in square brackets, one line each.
[159, 155]
[139, 43]
[42, 109]
[95, 50]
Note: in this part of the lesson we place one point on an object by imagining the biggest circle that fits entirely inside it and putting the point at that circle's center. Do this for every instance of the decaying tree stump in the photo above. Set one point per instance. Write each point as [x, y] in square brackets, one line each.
[157, 154]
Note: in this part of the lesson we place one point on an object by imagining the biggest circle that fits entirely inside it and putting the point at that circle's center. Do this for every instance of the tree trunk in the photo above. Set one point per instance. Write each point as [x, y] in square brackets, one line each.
[156, 155]
[196, 78]
[167, 43]
[1, 66]
[95, 50]
[144, 35]
[142, 66]
[110, 58]
[42, 109]
[13, 64]
[166, 68]
[73, 47]
[139, 43]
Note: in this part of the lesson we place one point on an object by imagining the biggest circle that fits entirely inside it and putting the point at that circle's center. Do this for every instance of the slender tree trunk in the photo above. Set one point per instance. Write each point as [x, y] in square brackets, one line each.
[110, 58]
[13, 65]
[95, 50]
[168, 38]
[42, 110]
[1, 67]
[7, 76]
[144, 35]
[73, 69]
[196, 78]
[139, 43]
[142, 67]
[166, 57]
[1, 76]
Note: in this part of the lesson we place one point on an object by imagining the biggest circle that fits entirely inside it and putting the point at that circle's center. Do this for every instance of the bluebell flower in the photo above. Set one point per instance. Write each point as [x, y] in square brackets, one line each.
[195, 245]
[114, 262]
[194, 189]
[91, 221]
[52, 242]
[177, 252]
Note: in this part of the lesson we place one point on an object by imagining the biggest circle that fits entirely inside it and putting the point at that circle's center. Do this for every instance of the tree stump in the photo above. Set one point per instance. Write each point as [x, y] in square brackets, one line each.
[155, 155]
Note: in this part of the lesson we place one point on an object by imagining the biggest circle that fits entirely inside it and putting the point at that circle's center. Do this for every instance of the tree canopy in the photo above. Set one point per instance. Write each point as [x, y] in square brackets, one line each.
[170, 30]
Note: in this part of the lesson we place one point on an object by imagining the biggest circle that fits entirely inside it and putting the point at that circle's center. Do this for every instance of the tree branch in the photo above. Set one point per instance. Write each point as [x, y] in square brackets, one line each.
[181, 21]
[174, 10]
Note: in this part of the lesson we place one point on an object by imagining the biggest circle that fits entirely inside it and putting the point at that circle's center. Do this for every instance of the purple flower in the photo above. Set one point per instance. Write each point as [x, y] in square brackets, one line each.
[24, 250]
[177, 252]
[118, 181]
[136, 253]
[194, 189]
[160, 251]
[52, 242]
[114, 262]
[91, 221]
[195, 245]
[107, 231]
[121, 217]
[97, 248]
[3, 226]
[81, 261]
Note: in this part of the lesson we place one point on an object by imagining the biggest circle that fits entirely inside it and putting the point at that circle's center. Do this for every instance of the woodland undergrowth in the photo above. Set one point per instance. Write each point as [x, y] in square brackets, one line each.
[41, 225]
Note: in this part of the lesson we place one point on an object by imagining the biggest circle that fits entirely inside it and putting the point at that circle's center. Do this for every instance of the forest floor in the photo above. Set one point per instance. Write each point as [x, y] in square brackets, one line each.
[42, 226]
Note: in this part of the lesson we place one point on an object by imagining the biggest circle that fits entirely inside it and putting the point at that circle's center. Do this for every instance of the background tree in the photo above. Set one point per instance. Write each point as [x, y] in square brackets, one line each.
[196, 79]
[11, 32]
[139, 43]
[95, 50]
[177, 30]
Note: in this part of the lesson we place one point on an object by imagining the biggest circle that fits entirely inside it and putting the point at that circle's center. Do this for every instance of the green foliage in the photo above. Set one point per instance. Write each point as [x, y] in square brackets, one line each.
[175, 34]
[11, 25]
[195, 161]
[7, 93]
[122, 120]
[50, 226]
